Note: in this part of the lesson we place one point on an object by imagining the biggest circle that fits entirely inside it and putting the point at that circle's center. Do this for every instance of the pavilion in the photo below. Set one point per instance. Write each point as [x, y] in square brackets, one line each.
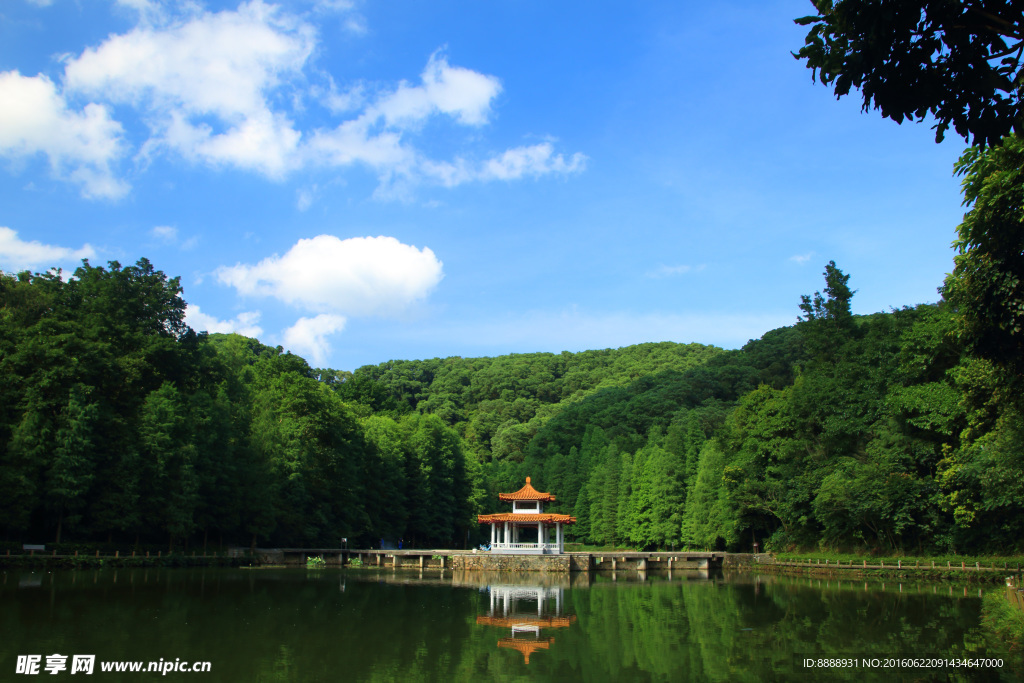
[510, 530]
[526, 627]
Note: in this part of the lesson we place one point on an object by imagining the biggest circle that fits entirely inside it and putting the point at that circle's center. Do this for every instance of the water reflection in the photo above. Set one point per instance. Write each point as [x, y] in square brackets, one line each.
[530, 610]
[387, 625]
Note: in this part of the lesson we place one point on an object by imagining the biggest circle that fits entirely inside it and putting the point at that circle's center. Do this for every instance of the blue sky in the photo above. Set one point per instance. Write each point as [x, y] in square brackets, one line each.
[362, 181]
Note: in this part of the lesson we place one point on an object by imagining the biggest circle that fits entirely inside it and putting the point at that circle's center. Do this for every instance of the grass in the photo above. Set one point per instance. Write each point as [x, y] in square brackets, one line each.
[1004, 619]
[1011, 561]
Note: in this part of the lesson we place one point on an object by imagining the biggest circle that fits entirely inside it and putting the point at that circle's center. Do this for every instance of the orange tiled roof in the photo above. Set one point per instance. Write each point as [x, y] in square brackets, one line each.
[526, 493]
[547, 518]
[529, 620]
[527, 647]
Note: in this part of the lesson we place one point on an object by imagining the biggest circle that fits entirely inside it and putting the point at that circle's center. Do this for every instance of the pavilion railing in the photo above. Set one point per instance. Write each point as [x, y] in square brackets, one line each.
[525, 546]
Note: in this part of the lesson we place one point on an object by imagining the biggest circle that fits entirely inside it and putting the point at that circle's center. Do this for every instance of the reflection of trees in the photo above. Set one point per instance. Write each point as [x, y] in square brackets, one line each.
[294, 626]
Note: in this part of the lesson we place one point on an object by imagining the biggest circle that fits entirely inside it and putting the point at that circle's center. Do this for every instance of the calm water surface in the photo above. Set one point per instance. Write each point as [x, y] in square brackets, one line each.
[370, 625]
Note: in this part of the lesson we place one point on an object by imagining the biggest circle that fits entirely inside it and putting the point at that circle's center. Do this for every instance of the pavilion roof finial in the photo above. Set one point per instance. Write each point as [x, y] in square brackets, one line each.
[527, 493]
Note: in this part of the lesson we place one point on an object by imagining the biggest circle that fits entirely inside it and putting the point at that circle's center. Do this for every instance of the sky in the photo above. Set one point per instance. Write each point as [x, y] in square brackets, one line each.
[360, 182]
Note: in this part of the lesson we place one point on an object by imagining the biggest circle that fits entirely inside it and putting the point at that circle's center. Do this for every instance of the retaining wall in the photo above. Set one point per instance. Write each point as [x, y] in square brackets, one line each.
[512, 563]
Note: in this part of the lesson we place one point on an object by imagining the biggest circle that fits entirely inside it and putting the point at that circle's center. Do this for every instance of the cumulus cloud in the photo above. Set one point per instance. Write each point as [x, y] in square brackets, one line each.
[359, 276]
[81, 145]
[221, 65]
[308, 336]
[17, 254]
[244, 323]
[356, 276]
[801, 258]
[231, 89]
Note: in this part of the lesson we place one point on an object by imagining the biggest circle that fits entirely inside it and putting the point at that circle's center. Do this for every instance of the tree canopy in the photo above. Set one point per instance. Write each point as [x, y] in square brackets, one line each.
[987, 284]
[893, 430]
[958, 60]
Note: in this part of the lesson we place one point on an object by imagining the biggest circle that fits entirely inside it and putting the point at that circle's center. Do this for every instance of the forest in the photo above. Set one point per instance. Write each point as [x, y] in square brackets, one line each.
[119, 423]
[898, 430]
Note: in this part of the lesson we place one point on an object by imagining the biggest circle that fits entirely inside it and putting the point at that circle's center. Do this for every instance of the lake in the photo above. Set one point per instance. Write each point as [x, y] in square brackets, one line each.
[388, 625]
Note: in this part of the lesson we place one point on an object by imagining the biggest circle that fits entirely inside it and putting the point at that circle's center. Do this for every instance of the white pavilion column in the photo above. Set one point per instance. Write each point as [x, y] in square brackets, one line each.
[492, 535]
[540, 536]
[504, 537]
[558, 536]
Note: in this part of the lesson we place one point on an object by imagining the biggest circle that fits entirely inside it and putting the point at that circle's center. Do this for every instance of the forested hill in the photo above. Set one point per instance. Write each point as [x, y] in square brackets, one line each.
[118, 422]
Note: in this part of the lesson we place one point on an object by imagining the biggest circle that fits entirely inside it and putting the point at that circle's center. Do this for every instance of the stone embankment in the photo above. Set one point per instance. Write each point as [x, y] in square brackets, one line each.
[490, 561]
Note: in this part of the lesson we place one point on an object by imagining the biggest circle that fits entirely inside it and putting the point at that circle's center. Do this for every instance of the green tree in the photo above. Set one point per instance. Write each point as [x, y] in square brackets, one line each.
[170, 484]
[659, 498]
[987, 283]
[69, 475]
[710, 521]
[827, 321]
[958, 61]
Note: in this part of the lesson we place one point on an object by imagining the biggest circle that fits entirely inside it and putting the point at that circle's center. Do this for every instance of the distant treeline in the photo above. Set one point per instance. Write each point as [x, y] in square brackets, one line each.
[117, 421]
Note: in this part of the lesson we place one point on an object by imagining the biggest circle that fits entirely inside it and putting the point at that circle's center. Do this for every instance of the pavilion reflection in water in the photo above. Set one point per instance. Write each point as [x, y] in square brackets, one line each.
[530, 612]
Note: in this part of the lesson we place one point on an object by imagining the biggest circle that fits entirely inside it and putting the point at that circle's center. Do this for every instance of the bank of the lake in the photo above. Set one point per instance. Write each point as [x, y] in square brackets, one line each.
[994, 572]
[54, 562]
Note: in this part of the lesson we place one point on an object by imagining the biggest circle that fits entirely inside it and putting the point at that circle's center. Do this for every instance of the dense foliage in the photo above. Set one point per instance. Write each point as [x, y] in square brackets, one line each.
[120, 422]
[958, 61]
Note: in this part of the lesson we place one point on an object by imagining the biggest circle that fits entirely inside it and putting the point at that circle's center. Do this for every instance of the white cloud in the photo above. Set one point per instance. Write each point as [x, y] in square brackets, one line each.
[513, 164]
[81, 146]
[244, 323]
[231, 89]
[356, 276]
[221, 65]
[341, 101]
[17, 254]
[150, 11]
[165, 233]
[353, 142]
[531, 161]
[456, 91]
[802, 258]
[308, 336]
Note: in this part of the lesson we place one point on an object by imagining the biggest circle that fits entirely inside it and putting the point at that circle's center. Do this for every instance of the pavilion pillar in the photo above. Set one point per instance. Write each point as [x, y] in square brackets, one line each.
[540, 536]
[505, 536]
